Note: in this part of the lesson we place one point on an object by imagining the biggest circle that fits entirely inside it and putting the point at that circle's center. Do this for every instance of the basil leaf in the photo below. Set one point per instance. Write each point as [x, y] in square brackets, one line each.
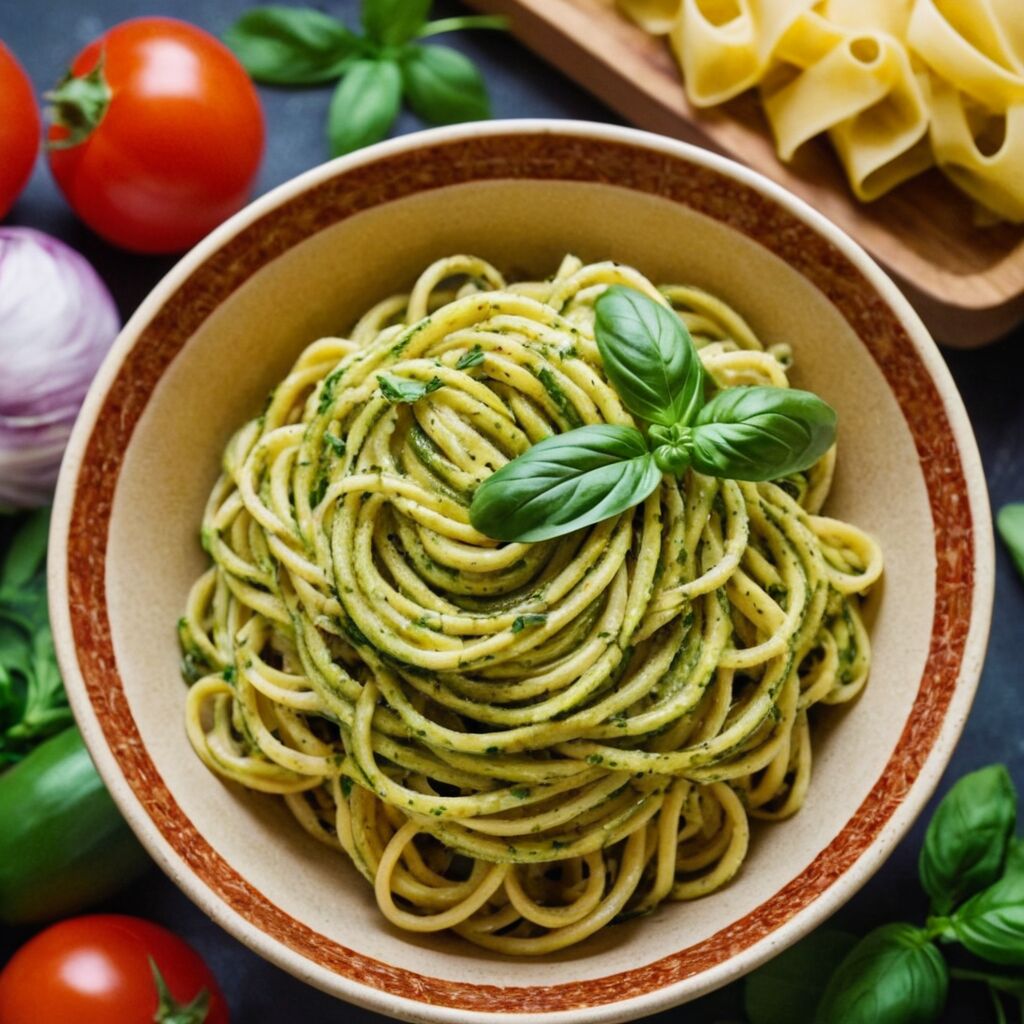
[405, 389]
[364, 105]
[27, 552]
[393, 22]
[564, 483]
[291, 45]
[790, 986]
[443, 86]
[991, 924]
[761, 433]
[967, 839]
[648, 356]
[894, 975]
[1011, 529]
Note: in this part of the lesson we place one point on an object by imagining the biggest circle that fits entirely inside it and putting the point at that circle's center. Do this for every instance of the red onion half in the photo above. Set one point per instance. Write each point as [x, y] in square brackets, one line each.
[57, 321]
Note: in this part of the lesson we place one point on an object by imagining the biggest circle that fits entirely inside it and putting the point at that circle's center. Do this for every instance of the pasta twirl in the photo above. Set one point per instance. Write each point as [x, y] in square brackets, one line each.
[898, 85]
[519, 742]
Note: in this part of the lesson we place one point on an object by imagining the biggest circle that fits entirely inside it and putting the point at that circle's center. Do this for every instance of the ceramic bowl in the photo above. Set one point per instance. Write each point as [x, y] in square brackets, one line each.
[198, 358]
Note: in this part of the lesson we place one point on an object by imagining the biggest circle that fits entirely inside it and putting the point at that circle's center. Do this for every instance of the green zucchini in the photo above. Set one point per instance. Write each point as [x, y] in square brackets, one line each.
[63, 843]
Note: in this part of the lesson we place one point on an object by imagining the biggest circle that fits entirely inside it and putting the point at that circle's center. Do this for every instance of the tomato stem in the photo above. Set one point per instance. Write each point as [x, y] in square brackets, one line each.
[78, 105]
[169, 1011]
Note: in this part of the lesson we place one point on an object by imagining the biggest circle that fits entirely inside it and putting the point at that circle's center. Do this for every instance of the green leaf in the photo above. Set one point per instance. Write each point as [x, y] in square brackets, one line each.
[894, 975]
[1011, 529]
[443, 86]
[966, 842]
[564, 483]
[393, 22]
[291, 45]
[405, 389]
[474, 357]
[649, 357]
[991, 924]
[364, 105]
[27, 552]
[529, 619]
[789, 987]
[761, 433]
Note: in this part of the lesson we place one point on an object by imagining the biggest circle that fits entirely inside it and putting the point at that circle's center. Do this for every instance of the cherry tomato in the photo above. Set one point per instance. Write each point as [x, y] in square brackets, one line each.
[96, 970]
[19, 129]
[158, 135]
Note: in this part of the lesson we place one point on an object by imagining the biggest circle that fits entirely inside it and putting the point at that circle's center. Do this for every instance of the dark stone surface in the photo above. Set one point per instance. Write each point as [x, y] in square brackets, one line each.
[46, 34]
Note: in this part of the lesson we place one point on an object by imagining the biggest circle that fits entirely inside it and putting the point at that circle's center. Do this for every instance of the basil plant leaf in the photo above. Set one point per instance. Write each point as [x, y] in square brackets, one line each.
[566, 482]
[761, 433]
[291, 45]
[648, 356]
[894, 975]
[443, 86]
[393, 22]
[1011, 528]
[26, 554]
[788, 987]
[991, 924]
[967, 839]
[364, 105]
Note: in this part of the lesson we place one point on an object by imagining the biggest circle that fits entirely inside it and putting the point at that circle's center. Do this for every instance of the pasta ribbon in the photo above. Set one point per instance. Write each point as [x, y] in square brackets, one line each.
[897, 85]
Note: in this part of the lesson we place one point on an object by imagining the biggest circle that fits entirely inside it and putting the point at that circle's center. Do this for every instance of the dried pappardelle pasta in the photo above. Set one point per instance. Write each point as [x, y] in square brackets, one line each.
[899, 85]
[518, 742]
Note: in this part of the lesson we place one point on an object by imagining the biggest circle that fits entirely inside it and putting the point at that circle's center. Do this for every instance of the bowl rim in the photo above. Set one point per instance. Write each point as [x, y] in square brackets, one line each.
[914, 792]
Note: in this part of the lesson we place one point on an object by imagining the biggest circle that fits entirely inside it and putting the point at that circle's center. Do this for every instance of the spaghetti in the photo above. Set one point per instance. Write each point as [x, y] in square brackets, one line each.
[518, 742]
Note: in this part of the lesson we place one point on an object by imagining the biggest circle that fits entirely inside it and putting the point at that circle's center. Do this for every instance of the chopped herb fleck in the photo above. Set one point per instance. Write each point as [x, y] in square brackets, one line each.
[405, 389]
[530, 619]
[474, 357]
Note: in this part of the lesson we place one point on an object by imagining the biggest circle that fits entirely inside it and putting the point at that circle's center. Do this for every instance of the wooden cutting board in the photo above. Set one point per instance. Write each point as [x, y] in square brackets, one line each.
[967, 282]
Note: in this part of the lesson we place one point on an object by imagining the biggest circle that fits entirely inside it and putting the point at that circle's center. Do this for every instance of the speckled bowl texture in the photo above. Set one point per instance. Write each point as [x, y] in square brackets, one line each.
[200, 354]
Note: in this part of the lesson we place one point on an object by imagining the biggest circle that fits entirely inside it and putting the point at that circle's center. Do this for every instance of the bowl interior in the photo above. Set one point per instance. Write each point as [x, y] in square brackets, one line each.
[318, 287]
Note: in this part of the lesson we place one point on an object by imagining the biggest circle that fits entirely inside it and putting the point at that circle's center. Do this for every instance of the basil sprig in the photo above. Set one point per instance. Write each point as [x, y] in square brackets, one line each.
[973, 871]
[583, 476]
[281, 45]
[968, 837]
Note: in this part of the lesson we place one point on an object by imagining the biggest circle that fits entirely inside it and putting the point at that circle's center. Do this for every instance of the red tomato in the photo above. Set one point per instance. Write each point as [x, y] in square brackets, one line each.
[95, 970]
[173, 147]
[19, 129]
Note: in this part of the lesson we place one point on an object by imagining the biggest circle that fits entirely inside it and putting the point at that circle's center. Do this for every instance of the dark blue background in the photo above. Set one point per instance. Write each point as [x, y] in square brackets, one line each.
[45, 36]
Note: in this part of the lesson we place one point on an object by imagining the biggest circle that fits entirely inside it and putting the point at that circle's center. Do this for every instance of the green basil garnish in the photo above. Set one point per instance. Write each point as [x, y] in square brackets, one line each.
[566, 482]
[761, 433]
[894, 975]
[585, 475]
[649, 357]
[968, 837]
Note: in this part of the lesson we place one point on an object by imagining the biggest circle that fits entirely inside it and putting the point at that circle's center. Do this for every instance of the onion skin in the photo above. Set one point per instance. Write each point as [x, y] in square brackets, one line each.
[57, 321]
